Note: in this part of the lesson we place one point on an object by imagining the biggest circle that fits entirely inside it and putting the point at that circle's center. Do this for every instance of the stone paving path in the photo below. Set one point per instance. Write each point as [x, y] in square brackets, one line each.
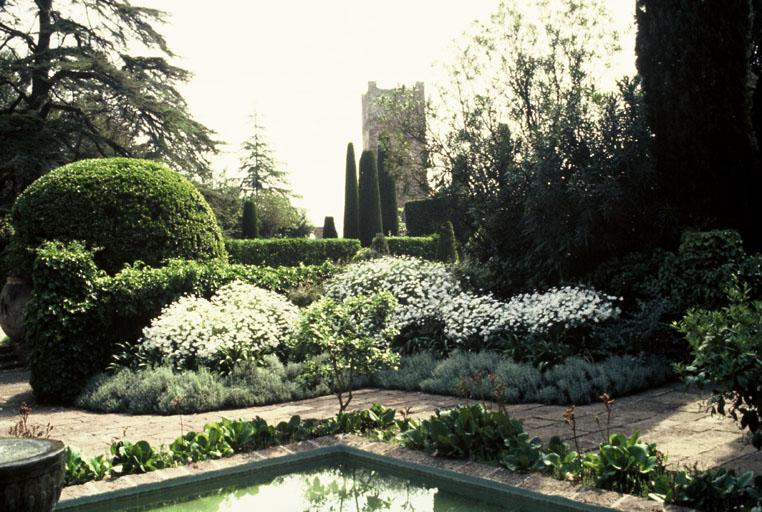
[669, 416]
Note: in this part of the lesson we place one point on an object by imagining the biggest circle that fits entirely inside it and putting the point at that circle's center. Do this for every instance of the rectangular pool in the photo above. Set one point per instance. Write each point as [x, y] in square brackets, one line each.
[336, 478]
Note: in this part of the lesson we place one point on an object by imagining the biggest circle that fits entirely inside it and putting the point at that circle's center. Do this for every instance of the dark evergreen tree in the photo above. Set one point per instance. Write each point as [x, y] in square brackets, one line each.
[447, 250]
[249, 225]
[351, 211]
[694, 58]
[370, 199]
[388, 191]
[329, 228]
[261, 169]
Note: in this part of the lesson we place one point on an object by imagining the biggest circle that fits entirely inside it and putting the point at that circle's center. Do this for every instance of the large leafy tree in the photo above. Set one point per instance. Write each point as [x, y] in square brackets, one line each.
[83, 78]
[277, 217]
[693, 57]
[549, 173]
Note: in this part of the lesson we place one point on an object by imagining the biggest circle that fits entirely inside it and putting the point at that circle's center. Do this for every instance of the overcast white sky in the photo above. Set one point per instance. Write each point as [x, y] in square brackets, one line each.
[304, 64]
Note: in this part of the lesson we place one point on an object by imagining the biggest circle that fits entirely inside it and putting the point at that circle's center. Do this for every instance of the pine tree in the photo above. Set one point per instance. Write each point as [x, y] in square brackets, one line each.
[351, 211]
[262, 172]
[446, 245]
[370, 199]
[329, 228]
[388, 191]
[249, 226]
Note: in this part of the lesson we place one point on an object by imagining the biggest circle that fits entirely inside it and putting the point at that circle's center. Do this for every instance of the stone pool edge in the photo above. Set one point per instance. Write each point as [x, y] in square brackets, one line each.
[530, 482]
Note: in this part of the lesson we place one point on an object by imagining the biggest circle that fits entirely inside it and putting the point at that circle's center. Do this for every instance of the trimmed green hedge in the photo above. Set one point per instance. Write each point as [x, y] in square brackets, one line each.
[424, 247]
[78, 314]
[129, 209]
[290, 252]
[426, 217]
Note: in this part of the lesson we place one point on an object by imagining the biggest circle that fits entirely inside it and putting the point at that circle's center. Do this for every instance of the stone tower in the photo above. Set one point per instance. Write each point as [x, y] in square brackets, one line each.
[410, 172]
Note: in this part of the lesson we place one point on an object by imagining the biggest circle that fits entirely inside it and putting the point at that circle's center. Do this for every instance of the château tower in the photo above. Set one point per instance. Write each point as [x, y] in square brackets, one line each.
[410, 174]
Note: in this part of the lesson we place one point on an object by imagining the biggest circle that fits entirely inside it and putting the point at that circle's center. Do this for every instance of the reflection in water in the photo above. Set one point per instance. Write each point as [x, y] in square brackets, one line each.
[336, 489]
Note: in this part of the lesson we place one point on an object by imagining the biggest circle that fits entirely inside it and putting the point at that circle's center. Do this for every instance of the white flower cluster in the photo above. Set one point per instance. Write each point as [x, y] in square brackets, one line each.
[420, 287]
[566, 307]
[428, 291]
[238, 319]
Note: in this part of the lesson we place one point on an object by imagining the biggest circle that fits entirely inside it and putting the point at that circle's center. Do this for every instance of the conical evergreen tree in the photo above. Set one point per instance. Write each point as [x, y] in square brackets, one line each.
[370, 199]
[329, 228]
[388, 192]
[446, 245]
[249, 226]
[351, 211]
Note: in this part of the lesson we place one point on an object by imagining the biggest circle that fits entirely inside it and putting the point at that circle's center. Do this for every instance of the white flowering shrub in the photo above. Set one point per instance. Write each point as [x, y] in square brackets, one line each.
[566, 307]
[429, 294]
[239, 322]
[409, 280]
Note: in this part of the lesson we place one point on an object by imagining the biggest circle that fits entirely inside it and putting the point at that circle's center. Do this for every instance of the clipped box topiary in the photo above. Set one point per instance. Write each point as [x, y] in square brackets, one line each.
[129, 209]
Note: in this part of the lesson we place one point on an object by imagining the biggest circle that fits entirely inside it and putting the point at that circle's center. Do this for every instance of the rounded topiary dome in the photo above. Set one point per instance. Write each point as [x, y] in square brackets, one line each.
[130, 209]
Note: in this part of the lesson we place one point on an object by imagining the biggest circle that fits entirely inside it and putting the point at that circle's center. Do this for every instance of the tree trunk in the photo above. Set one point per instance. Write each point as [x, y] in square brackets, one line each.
[41, 70]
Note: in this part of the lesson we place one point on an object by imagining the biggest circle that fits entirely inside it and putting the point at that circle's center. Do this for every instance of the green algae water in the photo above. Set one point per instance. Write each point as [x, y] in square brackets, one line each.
[335, 489]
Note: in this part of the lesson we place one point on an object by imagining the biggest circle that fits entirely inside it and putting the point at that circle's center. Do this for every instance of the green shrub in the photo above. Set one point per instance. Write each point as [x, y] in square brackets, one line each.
[353, 335]
[466, 432]
[249, 224]
[226, 437]
[625, 464]
[78, 315]
[491, 376]
[426, 216]
[658, 287]
[447, 249]
[714, 490]
[412, 370]
[424, 247]
[726, 346]
[379, 245]
[128, 209]
[703, 268]
[698, 274]
[277, 252]
[164, 391]
[329, 228]
[78, 470]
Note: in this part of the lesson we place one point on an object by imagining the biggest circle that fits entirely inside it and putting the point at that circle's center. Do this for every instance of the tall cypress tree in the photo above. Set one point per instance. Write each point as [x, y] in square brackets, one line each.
[249, 225]
[694, 58]
[388, 192]
[351, 211]
[329, 228]
[370, 199]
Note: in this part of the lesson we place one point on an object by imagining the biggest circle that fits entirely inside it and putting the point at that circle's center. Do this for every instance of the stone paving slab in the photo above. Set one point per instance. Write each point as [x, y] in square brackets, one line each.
[669, 415]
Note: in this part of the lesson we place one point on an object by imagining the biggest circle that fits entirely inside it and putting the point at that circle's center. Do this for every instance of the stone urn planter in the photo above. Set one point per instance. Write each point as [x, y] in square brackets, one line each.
[31, 474]
[13, 300]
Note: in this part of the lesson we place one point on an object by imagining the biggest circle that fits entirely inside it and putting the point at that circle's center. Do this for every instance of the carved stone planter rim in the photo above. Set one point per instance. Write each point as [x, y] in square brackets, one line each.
[54, 448]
